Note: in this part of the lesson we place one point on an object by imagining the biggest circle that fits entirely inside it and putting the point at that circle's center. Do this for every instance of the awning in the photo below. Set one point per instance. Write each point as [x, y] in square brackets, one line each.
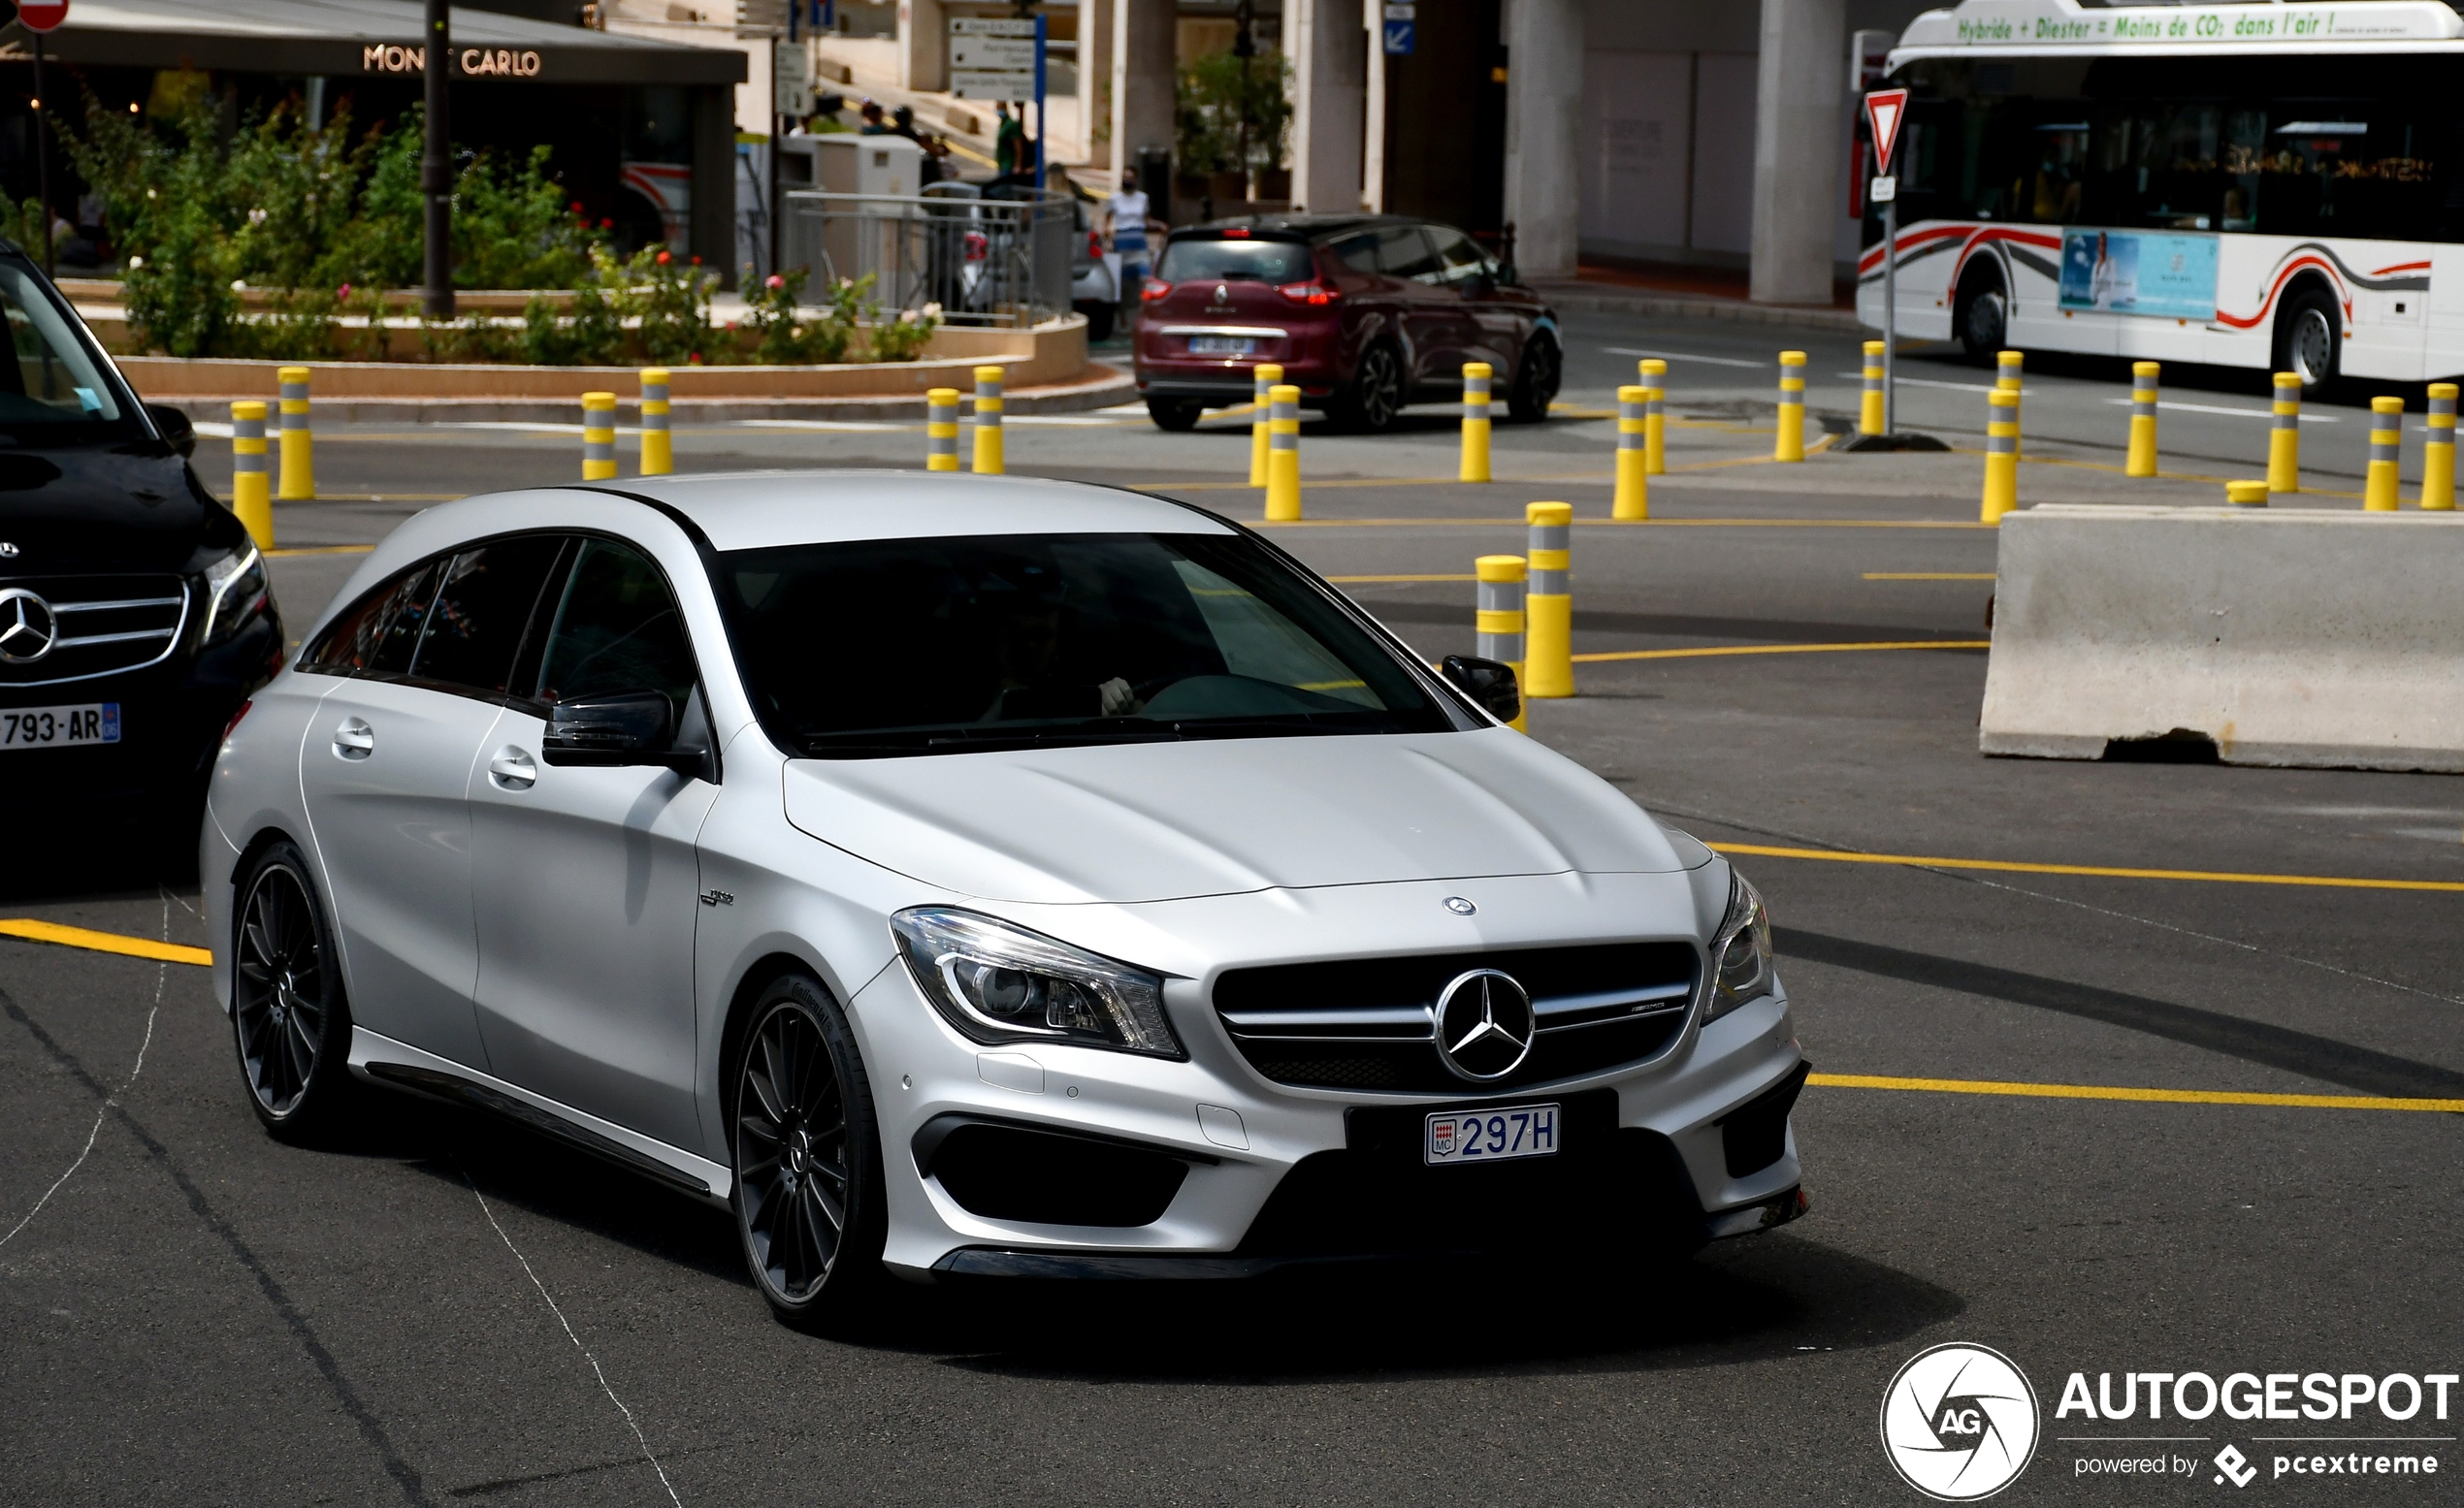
[372, 38]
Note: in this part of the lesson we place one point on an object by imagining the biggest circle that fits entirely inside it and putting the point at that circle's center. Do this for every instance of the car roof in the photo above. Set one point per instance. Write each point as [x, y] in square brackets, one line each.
[1313, 226]
[754, 510]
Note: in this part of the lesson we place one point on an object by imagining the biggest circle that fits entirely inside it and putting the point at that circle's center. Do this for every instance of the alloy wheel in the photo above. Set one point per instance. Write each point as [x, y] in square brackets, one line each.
[279, 989]
[791, 1150]
[1380, 385]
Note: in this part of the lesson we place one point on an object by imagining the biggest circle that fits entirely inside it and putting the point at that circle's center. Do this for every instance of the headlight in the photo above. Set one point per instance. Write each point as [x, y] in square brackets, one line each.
[998, 982]
[234, 590]
[1741, 951]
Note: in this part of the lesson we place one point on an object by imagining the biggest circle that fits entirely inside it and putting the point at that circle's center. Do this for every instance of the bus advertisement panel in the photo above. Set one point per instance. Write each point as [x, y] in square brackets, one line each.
[2134, 272]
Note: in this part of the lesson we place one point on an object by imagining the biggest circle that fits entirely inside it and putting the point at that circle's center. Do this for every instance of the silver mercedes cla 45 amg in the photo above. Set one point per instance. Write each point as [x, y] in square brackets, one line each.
[962, 875]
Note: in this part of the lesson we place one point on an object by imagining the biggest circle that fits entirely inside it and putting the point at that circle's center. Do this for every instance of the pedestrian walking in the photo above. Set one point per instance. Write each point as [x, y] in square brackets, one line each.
[1009, 139]
[1129, 216]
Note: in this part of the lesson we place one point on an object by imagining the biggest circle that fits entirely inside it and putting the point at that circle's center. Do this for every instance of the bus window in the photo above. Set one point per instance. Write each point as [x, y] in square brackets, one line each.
[2331, 168]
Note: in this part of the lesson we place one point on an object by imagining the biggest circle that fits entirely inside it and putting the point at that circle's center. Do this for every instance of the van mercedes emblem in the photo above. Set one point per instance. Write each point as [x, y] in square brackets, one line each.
[1484, 1025]
[8, 550]
[1459, 906]
[27, 627]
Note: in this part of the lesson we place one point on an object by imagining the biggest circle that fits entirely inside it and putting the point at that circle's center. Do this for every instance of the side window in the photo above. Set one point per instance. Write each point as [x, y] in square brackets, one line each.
[1461, 256]
[616, 629]
[1404, 252]
[1357, 252]
[483, 604]
[376, 636]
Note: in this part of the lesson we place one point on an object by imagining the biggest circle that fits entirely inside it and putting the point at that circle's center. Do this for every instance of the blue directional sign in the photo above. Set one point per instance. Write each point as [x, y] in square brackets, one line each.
[1399, 38]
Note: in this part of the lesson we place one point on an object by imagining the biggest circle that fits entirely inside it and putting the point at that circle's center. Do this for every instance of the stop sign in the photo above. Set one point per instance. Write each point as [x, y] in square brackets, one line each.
[42, 14]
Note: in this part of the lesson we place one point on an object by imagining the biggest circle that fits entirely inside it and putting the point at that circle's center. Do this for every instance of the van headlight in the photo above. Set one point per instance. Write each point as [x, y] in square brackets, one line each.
[999, 983]
[1741, 951]
[235, 591]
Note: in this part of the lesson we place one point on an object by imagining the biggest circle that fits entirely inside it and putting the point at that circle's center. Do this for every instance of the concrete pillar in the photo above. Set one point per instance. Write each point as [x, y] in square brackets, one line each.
[1796, 148]
[1145, 52]
[1372, 149]
[923, 46]
[1544, 120]
[1094, 79]
[1330, 77]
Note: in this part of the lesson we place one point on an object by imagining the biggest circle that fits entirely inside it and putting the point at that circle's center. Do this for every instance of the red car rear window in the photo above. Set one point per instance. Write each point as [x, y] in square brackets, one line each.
[1227, 261]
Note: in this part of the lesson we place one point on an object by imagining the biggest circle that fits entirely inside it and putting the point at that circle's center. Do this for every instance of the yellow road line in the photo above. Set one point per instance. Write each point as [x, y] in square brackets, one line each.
[324, 550]
[2305, 1102]
[34, 931]
[1580, 522]
[1349, 580]
[2162, 477]
[1777, 649]
[1929, 575]
[2098, 871]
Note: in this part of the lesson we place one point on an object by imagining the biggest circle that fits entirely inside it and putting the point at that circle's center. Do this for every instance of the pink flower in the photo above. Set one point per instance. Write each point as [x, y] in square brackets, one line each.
[343, 292]
[577, 206]
[774, 280]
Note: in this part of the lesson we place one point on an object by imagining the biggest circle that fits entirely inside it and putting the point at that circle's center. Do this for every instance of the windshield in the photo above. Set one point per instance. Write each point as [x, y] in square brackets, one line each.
[1234, 261]
[891, 647]
[53, 379]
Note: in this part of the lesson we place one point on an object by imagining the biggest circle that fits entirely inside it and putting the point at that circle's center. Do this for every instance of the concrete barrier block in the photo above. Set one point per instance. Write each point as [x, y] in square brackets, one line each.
[2331, 640]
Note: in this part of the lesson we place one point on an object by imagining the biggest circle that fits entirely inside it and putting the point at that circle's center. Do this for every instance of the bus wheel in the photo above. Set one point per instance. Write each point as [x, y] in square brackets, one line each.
[1985, 323]
[2310, 337]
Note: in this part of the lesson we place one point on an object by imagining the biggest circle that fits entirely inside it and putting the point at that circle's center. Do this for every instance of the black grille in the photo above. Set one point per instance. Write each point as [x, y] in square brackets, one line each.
[1046, 1178]
[102, 626]
[1364, 1023]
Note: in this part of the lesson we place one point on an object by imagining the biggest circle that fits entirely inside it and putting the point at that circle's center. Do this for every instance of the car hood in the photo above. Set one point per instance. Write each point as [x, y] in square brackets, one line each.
[1173, 820]
[132, 507]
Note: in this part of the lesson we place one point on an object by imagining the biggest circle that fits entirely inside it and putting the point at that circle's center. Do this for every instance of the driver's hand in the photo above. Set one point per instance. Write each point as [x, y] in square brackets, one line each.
[1119, 699]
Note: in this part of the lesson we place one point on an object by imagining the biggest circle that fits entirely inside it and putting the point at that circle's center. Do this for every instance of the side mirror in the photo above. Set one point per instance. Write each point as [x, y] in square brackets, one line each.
[174, 425]
[625, 728]
[1487, 682]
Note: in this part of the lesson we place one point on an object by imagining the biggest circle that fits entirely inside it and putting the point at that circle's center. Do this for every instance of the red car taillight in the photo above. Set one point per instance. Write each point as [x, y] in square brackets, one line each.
[1150, 290]
[1311, 292]
[1094, 247]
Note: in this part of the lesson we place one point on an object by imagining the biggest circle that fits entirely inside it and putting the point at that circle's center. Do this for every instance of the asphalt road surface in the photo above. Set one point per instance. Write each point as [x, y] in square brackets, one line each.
[448, 1309]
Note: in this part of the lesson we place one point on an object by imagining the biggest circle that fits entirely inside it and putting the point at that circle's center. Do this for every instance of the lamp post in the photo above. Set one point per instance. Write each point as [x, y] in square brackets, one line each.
[436, 165]
[1244, 47]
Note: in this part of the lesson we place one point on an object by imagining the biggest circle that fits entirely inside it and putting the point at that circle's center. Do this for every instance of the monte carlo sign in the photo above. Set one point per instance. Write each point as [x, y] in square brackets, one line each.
[470, 62]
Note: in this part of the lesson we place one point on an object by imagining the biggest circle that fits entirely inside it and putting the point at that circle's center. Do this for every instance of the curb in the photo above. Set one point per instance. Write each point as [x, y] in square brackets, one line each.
[1587, 299]
[1115, 386]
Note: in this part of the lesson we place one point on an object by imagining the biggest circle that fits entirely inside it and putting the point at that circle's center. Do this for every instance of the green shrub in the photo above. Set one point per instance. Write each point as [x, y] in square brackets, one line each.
[1208, 96]
[902, 337]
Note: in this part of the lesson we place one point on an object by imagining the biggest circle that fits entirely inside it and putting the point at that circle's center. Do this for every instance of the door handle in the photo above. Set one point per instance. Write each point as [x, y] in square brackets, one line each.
[354, 739]
[513, 769]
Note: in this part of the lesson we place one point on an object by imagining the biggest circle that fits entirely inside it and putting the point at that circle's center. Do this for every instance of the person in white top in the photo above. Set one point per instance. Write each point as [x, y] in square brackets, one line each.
[1129, 217]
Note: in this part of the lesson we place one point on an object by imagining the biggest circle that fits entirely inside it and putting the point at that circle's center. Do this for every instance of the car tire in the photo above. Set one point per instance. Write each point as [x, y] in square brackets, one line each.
[1371, 401]
[290, 1019]
[1179, 415]
[810, 1208]
[2310, 338]
[1536, 381]
[1985, 321]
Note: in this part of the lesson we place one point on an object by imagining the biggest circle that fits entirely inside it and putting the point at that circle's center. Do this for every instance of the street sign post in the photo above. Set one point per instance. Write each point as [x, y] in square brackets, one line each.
[993, 58]
[1885, 110]
[40, 16]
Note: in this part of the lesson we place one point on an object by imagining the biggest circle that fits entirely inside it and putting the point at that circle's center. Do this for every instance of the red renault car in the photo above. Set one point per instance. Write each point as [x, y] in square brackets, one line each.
[1364, 314]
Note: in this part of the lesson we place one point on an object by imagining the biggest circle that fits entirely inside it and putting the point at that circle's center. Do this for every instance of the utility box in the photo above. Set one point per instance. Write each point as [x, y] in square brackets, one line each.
[890, 165]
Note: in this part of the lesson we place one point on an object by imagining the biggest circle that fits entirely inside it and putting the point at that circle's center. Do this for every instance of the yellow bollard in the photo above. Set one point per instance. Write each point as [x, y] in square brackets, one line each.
[1549, 606]
[299, 447]
[2438, 452]
[598, 437]
[1791, 445]
[1655, 382]
[1634, 474]
[251, 490]
[2001, 455]
[1475, 422]
[1283, 454]
[657, 450]
[989, 460]
[2245, 495]
[2006, 376]
[2283, 441]
[1499, 617]
[2141, 459]
[941, 430]
[2386, 447]
[1870, 415]
[1262, 379]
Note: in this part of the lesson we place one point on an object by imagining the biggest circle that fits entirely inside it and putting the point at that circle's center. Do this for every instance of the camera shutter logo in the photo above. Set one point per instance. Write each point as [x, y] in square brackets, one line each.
[1959, 1423]
[27, 628]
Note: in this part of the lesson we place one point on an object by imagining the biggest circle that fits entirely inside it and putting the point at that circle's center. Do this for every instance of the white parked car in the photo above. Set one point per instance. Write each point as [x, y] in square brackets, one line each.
[962, 875]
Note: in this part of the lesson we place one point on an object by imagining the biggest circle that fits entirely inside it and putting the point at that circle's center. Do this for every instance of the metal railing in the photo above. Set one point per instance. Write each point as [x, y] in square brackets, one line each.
[987, 261]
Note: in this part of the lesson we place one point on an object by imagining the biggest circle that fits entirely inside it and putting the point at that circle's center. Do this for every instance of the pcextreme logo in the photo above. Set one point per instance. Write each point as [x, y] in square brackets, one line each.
[1959, 1423]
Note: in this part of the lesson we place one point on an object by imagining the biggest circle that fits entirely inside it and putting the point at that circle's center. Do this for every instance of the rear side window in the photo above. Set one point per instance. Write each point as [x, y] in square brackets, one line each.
[617, 629]
[1358, 252]
[483, 604]
[1235, 261]
[1461, 256]
[379, 633]
[1405, 253]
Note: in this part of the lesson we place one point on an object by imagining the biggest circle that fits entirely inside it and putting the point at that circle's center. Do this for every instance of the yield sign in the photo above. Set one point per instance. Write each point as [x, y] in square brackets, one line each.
[1885, 109]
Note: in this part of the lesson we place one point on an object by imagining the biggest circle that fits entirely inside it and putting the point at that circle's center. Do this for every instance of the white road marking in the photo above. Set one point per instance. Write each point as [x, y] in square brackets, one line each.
[1689, 356]
[2230, 413]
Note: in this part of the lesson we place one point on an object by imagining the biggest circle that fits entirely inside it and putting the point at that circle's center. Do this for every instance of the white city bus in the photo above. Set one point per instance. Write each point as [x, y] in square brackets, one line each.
[2265, 185]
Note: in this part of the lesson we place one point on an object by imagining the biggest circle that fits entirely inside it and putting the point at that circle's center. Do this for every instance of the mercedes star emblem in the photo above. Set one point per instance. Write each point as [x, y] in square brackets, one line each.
[8, 550]
[27, 627]
[1459, 906]
[1484, 1025]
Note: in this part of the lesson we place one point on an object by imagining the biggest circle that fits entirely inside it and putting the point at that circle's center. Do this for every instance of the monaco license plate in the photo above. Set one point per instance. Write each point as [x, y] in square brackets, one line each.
[1221, 345]
[53, 727]
[1490, 1136]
